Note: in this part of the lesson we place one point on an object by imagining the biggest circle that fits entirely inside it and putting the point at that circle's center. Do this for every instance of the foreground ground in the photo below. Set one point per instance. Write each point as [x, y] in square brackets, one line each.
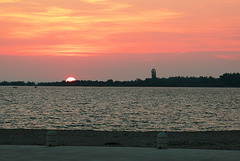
[75, 153]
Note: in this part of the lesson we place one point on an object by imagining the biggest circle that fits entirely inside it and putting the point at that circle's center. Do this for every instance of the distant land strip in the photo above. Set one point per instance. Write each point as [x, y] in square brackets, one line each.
[225, 80]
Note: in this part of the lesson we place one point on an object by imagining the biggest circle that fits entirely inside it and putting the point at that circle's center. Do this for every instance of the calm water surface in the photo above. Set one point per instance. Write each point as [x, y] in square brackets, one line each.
[112, 108]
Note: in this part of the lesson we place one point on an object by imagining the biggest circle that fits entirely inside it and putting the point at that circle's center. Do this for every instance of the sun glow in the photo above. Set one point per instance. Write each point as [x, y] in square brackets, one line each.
[71, 79]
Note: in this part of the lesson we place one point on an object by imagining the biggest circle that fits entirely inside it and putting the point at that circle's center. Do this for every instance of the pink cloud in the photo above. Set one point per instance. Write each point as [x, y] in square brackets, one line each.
[229, 56]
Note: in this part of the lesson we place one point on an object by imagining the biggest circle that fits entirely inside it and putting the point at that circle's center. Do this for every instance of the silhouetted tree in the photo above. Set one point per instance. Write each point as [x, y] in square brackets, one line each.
[225, 80]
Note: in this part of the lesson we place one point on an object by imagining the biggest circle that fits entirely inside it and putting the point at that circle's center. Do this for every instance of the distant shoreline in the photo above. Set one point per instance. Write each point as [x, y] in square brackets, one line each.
[188, 140]
[16, 86]
[225, 80]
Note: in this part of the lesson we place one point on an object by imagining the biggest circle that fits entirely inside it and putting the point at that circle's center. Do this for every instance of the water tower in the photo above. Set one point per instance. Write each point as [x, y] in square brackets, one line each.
[154, 73]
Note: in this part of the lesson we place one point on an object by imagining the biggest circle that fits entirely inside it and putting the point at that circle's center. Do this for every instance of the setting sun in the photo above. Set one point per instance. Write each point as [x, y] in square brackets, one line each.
[71, 79]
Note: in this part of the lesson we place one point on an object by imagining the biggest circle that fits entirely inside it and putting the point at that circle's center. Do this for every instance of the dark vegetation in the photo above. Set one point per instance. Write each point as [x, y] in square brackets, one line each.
[225, 80]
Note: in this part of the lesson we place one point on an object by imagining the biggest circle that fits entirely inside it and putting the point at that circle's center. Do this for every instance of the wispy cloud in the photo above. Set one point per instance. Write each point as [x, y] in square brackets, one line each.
[94, 1]
[148, 60]
[113, 26]
[9, 1]
[76, 25]
[229, 56]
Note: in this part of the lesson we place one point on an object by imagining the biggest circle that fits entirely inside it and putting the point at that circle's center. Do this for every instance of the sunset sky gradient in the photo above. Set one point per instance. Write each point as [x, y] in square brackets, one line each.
[49, 40]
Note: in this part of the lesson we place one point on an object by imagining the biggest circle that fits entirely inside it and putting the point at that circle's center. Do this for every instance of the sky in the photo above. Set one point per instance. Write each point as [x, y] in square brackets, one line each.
[49, 40]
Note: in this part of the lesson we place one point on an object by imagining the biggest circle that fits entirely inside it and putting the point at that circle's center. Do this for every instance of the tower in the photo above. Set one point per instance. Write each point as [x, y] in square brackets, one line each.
[154, 75]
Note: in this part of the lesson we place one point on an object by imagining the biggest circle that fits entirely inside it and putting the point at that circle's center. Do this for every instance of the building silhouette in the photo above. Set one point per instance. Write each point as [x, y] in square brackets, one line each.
[154, 73]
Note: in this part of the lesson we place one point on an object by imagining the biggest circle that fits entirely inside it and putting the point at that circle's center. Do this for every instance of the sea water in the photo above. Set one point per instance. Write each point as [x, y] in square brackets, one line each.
[120, 108]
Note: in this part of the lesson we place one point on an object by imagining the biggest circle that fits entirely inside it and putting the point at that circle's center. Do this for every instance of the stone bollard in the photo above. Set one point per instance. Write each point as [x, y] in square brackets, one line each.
[162, 140]
[51, 138]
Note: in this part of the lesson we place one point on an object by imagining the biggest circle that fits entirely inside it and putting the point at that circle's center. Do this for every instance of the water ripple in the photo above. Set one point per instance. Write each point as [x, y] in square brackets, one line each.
[111, 108]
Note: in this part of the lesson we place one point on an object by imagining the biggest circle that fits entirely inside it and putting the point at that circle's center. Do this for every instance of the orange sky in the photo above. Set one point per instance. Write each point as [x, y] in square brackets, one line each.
[98, 38]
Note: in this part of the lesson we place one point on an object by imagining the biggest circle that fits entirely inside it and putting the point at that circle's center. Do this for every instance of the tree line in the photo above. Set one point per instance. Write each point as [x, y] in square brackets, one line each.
[225, 80]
